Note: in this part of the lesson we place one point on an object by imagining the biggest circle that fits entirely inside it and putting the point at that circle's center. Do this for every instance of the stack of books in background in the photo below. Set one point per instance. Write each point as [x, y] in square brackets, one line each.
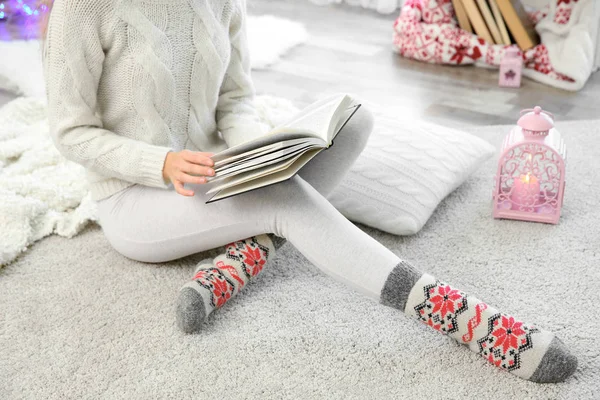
[497, 21]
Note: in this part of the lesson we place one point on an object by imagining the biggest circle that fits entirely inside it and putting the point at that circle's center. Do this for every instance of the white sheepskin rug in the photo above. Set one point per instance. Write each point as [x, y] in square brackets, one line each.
[268, 39]
[42, 193]
[271, 37]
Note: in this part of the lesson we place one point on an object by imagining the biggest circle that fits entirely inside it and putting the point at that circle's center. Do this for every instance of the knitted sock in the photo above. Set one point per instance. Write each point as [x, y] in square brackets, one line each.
[522, 349]
[216, 281]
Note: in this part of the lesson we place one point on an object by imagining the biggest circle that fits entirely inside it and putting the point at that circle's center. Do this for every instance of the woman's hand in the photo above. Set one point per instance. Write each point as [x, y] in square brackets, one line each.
[187, 167]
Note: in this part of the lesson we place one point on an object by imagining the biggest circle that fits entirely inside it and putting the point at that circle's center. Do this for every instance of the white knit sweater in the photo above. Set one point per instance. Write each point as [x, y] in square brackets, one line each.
[129, 80]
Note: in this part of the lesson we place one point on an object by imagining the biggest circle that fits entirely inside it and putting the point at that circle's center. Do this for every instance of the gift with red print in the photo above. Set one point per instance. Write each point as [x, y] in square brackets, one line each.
[427, 30]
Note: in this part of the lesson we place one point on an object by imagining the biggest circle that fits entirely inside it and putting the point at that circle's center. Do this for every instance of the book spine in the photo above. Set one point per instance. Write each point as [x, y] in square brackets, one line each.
[500, 22]
[477, 20]
[461, 16]
[489, 20]
[514, 17]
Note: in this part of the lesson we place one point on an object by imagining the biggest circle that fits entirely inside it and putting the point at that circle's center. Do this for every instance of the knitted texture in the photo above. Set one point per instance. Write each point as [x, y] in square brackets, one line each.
[405, 171]
[41, 192]
[128, 81]
[522, 349]
[216, 281]
[269, 38]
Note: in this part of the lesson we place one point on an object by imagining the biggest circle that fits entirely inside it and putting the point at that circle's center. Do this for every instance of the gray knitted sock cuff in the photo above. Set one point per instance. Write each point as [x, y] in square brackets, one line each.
[277, 240]
[399, 284]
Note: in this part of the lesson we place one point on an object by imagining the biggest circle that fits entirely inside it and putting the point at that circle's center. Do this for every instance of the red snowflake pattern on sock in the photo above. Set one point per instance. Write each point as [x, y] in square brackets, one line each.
[233, 272]
[220, 287]
[250, 253]
[254, 260]
[507, 338]
[441, 307]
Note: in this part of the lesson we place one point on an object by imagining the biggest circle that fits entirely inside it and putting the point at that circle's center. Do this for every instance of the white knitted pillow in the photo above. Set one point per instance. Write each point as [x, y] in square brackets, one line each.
[405, 171]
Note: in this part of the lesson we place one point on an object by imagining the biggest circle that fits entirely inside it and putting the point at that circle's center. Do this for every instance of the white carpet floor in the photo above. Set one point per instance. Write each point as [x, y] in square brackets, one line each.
[78, 321]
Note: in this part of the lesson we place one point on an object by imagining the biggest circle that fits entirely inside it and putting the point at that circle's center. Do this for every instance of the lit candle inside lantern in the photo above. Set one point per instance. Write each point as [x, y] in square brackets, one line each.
[530, 182]
[526, 191]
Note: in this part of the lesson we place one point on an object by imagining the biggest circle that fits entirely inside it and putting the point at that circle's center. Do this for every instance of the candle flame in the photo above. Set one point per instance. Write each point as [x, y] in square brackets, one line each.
[528, 179]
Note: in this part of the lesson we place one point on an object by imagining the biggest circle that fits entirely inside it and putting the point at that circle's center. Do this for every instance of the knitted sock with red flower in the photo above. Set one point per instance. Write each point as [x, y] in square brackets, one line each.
[216, 281]
[522, 349]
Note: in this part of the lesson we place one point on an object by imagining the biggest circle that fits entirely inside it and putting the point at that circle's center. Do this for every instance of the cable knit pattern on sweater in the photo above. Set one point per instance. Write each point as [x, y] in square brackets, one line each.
[130, 80]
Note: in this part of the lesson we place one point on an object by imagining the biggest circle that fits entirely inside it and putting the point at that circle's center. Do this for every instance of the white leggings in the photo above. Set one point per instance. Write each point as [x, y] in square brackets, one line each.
[156, 225]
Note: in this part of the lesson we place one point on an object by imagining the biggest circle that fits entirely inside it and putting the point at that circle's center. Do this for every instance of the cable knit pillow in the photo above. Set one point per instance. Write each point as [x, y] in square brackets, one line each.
[405, 171]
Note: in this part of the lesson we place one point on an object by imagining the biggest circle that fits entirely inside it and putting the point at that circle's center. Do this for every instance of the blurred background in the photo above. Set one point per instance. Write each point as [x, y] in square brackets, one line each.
[349, 49]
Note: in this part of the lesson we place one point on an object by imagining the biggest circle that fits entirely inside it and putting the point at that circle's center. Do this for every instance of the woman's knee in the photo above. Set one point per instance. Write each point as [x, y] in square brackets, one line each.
[295, 202]
[295, 192]
[360, 127]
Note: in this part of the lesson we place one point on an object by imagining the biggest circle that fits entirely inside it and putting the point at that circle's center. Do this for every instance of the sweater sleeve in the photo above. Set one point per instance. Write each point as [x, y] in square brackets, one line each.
[73, 61]
[237, 118]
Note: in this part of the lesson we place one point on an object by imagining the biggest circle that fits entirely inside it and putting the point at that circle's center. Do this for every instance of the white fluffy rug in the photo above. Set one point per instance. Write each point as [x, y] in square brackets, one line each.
[40, 192]
[269, 38]
[79, 321]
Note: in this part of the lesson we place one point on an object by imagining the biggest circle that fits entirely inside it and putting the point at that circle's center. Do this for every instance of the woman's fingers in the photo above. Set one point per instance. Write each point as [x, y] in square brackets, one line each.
[186, 178]
[179, 188]
[194, 169]
[199, 158]
[187, 167]
[182, 179]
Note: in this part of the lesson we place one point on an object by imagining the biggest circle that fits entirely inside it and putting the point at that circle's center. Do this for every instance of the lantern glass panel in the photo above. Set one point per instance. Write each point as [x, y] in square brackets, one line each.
[530, 179]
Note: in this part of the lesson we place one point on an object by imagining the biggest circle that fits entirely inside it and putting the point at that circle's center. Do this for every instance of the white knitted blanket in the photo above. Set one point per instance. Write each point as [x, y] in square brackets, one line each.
[42, 193]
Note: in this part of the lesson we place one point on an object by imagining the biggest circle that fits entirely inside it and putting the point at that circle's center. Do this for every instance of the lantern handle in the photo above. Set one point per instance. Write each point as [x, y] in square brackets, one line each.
[537, 110]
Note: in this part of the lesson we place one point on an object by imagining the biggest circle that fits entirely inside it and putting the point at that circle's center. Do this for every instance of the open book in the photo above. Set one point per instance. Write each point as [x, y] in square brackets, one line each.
[281, 153]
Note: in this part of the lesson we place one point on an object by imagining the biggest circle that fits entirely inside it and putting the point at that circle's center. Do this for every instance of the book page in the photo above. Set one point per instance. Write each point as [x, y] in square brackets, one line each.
[259, 144]
[254, 152]
[246, 157]
[337, 98]
[315, 120]
[251, 175]
[269, 159]
[264, 158]
[324, 119]
[266, 180]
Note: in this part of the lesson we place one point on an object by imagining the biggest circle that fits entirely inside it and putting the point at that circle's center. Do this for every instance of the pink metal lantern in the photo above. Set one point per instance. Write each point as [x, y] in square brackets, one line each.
[530, 181]
[511, 68]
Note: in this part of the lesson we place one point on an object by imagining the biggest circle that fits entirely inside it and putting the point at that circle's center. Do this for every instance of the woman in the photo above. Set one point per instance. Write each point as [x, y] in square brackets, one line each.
[143, 93]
